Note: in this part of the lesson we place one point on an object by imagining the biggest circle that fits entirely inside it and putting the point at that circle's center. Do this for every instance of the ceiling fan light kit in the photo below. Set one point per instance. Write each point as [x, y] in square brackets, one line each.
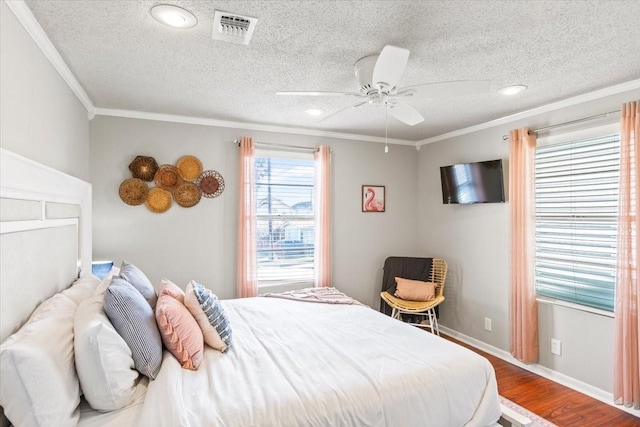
[378, 77]
[512, 90]
[173, 16]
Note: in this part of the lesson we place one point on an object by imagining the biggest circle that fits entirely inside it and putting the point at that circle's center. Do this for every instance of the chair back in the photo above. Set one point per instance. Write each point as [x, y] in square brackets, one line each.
[438, 275]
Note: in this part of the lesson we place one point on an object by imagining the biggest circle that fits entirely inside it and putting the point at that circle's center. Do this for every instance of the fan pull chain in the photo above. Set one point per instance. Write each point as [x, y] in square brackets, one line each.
[386, 125]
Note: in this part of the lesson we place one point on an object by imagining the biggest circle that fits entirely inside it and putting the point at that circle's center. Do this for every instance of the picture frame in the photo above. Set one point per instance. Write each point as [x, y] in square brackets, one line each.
[373, 198]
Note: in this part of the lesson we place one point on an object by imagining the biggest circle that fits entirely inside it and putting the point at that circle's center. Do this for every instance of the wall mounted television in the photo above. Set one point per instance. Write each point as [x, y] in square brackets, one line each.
[466, 183]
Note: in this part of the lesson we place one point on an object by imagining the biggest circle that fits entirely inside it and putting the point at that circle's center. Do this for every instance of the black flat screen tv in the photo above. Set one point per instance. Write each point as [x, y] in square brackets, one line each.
[466, 183]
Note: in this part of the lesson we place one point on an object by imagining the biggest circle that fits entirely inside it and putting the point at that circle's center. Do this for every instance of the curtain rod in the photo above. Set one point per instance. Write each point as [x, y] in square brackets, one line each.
[290, 147]
[584, 119]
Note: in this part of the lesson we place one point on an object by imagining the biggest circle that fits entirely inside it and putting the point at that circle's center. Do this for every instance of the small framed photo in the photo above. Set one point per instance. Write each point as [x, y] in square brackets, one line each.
[373, 198]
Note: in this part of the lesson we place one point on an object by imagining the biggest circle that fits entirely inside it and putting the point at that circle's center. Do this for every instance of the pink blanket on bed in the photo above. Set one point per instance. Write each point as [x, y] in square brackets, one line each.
[323, 295]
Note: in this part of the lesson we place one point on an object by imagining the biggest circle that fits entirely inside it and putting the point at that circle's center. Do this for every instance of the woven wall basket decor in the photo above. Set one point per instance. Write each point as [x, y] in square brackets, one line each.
[168, 178]
[187, 195]
[144, 168]
[210, 183]
[159, 200]
[189, 167]
[134, 191]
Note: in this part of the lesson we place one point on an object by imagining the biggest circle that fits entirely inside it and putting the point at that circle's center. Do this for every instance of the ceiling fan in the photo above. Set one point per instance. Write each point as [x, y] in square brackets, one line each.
[378, 77]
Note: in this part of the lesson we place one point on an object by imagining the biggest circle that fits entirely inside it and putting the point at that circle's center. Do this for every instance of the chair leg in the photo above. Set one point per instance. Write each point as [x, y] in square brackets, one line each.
[430, 314]
[435, 322]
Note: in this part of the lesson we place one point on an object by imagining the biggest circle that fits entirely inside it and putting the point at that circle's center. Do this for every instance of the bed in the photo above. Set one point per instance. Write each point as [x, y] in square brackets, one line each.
[292, 363]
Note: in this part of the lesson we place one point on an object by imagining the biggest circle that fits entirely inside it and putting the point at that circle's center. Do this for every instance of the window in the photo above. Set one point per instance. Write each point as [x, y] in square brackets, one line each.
[576, 185]
[284, 190]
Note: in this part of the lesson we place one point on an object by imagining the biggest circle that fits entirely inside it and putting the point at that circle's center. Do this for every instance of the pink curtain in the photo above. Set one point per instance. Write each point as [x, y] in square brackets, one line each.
[247, 285]
[322, 157]
[524, 309]
[626, 379]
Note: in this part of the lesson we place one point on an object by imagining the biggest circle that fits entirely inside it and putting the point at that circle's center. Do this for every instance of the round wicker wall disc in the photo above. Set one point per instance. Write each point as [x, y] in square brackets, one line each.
[133, 191]
[187, 195]
[210, 183]
[144, 168]
[159, 200]
[167, 177]
[189, 167]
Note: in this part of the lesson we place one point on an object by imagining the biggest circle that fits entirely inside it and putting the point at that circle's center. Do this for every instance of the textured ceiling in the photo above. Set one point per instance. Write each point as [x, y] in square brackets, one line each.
[126, 60]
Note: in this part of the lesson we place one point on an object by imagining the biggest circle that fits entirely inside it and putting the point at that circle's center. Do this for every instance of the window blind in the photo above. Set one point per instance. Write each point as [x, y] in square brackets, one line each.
[576, 186]
[284, 189]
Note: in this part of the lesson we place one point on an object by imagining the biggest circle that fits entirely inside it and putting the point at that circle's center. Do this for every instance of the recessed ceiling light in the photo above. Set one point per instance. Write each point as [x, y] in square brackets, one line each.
[512, 90]
[173, 16]
[314, 112]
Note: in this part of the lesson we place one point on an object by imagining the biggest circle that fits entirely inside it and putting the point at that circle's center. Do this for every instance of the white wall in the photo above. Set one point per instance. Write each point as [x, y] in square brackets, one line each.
[40, 116]
[200, 243]
[474, 239]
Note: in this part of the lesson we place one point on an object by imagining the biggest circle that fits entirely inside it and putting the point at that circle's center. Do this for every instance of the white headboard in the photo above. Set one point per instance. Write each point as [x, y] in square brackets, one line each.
[45, 235]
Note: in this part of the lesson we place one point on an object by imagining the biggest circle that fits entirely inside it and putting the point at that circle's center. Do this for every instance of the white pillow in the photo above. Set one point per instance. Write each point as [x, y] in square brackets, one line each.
[103, 359]
[82, 288]
[115, 271]
[38, 382]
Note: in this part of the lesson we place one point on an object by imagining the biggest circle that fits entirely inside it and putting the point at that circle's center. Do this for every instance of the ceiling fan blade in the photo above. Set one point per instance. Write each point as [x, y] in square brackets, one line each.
[405, 113]
[390, 65]
[356, 105]
[451, 89]
[316, 93]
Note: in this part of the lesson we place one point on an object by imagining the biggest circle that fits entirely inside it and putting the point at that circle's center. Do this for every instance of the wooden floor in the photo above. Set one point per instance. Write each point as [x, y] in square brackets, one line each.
[559, 404]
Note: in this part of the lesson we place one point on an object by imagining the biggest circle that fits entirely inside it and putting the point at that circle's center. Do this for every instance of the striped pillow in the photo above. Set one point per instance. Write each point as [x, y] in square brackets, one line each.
[214, 312]
[134, 320]
[139, 280]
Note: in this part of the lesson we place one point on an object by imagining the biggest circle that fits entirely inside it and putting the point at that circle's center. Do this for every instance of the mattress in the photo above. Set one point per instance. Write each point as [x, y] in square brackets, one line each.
[298, 363]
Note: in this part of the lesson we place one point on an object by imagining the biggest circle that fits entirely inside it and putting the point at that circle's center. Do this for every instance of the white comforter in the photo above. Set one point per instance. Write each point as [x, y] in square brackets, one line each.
[308, 364]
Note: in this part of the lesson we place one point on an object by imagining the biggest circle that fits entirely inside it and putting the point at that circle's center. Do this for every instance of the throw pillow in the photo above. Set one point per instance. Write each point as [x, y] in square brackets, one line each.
[139, 280]
[210, 315]
[171, 289]
[133, 318]
[415, 290]
[179, 330]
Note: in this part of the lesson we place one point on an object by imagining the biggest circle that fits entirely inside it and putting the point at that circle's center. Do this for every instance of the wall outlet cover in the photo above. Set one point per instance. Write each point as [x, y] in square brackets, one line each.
[556, 346]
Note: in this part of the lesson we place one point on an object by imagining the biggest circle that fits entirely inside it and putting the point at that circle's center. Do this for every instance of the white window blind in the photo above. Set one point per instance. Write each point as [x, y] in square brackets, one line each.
[284, 189]
[576, 185]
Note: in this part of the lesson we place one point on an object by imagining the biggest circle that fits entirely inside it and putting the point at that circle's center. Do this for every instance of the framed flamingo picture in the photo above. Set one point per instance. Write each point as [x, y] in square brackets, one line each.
[373, 198]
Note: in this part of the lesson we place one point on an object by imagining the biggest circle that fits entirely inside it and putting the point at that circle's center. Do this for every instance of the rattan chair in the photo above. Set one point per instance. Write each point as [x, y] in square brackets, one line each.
[422, 308]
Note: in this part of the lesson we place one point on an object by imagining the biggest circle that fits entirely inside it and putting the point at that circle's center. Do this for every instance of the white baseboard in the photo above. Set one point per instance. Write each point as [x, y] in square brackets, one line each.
[543, 371]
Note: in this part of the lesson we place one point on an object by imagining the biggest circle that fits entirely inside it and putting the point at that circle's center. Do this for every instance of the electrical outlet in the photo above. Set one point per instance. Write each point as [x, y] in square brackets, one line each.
[556, 346]
[487, 324]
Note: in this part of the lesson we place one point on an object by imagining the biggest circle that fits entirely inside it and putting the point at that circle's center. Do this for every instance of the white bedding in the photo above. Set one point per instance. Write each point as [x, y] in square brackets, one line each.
[295, 364]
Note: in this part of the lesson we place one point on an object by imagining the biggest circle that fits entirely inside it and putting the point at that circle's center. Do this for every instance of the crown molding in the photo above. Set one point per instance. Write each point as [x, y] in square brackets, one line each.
[33, 28]
[569, 102]
[203, 121]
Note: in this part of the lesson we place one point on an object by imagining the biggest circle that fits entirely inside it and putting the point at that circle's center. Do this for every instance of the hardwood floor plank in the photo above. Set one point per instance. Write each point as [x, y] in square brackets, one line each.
[561, 405]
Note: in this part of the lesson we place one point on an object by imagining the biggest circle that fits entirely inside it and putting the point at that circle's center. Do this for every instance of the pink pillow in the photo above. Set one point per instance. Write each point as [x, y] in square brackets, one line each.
[415, 290]
[171, 289]
[180, 332]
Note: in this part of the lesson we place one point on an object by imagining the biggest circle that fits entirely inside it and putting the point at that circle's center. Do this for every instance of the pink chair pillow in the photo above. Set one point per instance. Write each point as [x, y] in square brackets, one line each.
[415, 290]
[180, 332]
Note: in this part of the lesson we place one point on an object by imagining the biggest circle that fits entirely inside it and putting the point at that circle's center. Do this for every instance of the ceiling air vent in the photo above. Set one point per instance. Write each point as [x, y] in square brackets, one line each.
[233, 28]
